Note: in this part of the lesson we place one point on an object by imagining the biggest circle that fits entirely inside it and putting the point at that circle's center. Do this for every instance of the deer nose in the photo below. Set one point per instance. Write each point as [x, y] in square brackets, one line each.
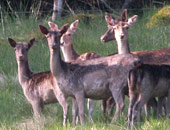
[122, 36]
[62, 43]
[53, 45]
[21, 57]
[102, 39]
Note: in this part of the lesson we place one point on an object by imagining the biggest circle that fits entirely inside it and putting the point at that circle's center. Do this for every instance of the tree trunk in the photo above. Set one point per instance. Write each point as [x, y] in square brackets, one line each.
[57, 9]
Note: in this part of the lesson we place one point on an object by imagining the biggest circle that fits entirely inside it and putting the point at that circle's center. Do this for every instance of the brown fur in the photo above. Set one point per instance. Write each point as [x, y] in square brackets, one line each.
[71, 55]
[160, 56]
[145, 82]
[33, 84]
[39, 88]
[98, 78]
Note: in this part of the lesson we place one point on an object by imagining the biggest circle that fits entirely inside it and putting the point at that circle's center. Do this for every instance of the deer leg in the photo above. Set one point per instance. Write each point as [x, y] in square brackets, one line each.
[151, 103]
[80, 101]
[154, 105]
[104, 105]
[90, 108]
[142, 99]
[63, 102]
[168, 104]
[74, 112]
[132, 101]
[110, 104]
[118, 96]
[37, 108]
[165, 105]
[160, 105]
[147, 109]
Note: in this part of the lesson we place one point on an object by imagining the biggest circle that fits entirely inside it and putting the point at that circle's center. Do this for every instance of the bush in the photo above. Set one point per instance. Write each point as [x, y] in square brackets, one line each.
[162, 17]
[86, 18]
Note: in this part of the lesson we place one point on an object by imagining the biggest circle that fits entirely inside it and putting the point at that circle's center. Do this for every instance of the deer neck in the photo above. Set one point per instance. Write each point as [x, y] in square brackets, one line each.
[56, 64]
[24, 71]
[69, 53]
[123, 46]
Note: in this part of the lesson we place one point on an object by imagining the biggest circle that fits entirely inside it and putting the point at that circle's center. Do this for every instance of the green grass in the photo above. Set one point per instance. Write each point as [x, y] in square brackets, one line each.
[16, 112]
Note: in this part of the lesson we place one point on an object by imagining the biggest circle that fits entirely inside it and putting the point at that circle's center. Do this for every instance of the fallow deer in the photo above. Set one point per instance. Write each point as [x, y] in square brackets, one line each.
[147, 81]
[98, 78]
[67, 47]
[118, 30]
[71, 55]
[39, 88]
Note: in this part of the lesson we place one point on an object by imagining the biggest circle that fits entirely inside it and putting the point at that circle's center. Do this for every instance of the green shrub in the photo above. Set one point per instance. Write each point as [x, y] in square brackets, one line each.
[86, 18]
[162, 17]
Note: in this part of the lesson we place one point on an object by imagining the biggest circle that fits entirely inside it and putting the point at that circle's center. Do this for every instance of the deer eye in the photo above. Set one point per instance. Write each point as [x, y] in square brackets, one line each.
[26, 49]
[69, 34]
[15, 49]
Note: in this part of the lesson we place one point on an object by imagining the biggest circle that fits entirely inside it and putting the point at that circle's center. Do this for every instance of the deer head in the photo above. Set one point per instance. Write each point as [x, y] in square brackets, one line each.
[66, 38]
[117, 28]
[21, 49]
[53, 35]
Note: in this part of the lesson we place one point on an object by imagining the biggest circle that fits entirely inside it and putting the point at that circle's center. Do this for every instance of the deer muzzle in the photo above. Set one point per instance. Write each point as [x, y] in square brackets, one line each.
[54, 45]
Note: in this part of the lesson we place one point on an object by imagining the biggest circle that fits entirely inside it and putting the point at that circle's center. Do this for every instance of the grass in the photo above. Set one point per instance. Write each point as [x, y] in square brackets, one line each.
[16, 112]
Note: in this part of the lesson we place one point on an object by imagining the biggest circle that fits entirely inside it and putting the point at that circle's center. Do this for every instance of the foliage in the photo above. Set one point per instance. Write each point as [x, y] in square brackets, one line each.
[162, 17]
[16, 113]
[86, 18]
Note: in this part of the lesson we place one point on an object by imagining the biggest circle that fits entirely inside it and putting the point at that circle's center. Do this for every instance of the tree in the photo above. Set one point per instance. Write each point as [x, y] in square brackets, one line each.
[57, 9]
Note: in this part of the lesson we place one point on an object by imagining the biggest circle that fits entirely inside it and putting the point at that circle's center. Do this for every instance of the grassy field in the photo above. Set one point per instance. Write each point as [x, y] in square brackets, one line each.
[16, 112]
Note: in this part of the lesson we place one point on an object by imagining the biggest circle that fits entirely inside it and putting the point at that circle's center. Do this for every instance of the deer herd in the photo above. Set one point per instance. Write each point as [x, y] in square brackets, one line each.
[141, 75]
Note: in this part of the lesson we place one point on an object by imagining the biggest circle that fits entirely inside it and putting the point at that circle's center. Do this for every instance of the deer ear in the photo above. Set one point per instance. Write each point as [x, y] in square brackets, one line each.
[31, 42]
[74, 26]
[53, 26]
[132, 20]
[43, 29]
[109, 19]
[12, 42]
[124, 15]
[64, 28]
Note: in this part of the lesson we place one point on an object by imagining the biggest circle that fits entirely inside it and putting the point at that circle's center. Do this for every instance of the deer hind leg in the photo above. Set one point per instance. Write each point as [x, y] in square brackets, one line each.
[74, 112]
[110, 104]
[168, 104]
[147, 108]
[119, 100]
[151, 103]
[80, 101]
[142, 99]
[90, 104]
[154, 106]
[165, 106]
[160, 106]
[104, 105]
[132, 101]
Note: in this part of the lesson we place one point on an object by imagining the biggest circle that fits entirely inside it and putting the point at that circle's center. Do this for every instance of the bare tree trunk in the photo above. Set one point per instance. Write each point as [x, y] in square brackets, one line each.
[57, 9]
[2, 21]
